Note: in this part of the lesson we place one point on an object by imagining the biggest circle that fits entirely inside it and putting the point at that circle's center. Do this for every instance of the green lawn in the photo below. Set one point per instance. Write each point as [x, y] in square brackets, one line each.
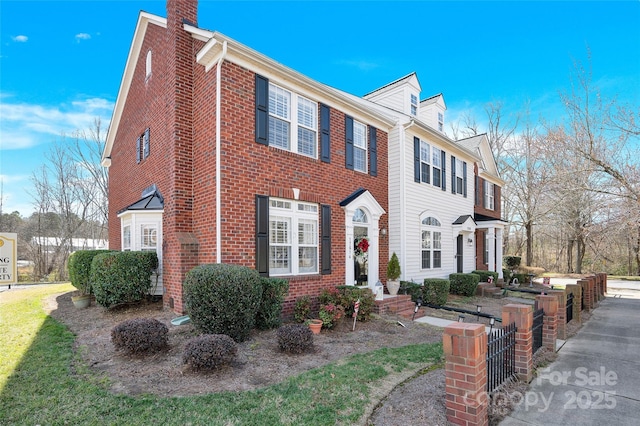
[39, 386]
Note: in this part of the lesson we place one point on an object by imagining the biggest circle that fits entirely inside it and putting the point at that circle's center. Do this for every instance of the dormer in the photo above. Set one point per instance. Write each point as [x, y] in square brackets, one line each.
[432, 112]
[402, 95]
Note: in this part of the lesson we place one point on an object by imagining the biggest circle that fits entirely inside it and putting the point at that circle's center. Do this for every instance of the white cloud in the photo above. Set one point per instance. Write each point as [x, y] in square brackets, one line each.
[82, 36]
[27, 125]
[20, 38]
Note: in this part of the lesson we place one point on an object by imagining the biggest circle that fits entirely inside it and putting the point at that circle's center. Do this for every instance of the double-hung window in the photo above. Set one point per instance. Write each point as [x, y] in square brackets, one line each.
[414, 104]
[126, 238]
[293, 237]
[440, 121]
[431, 243]
[436, 163]
[425, 168]
[359, 147]
[489, 189]
[293, 122]
[459, 176]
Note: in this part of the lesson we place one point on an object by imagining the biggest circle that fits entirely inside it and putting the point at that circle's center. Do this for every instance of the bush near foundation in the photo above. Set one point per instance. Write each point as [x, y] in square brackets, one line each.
[274, 291]
[435, 291]
[209, 351]
[295, 338]
[79, 266]
[140, 335]
[484, 276]
[464, 284]
[120, 277]
[349, 295]
[223, 299]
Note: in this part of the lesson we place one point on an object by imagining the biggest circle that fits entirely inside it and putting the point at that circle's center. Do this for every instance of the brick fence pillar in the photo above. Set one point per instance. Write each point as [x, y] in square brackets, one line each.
[594, 291]
[561, 295]
[550, 320]
[465, 350]
[604, 280]
[522, 315]
[586, 295]
[577, 300]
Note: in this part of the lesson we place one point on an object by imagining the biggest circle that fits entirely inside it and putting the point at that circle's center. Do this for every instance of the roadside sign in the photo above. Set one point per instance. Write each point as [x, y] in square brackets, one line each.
[8, 258]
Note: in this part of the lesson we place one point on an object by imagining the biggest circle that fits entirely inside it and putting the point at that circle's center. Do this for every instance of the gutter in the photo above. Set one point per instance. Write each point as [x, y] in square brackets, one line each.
[218, 150]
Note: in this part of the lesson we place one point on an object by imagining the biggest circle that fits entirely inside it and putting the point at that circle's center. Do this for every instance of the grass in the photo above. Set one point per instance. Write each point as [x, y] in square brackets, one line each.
[41, 384]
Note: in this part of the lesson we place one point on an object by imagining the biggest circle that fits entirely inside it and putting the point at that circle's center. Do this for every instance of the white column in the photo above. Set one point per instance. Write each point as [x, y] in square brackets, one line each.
[499, 237]
[491, 240]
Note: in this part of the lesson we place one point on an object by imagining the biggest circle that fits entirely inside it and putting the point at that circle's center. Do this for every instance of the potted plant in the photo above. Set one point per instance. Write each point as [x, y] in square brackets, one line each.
[315, 325]
[79, 270]
[393, 275]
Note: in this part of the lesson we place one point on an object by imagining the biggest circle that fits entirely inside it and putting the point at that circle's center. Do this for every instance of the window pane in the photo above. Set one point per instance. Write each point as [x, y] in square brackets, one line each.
[437, 240]
[426, 259]
[359, 159]
[436, 157]
[306, 142]
[306, 113]
[279, 262]
[148, 237]
[436, 176]
[425, 170]
[308, 259]
[360, 216]
[307, 232]
[278, 133]
[437, 259]
[126, 237]
[279, 230]
[424, 152]
[426, 239]
[279, 101]
[359, 135]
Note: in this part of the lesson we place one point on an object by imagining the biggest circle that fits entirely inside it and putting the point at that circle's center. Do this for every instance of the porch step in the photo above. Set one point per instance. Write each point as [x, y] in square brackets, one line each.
[488, 290]
[400, 305]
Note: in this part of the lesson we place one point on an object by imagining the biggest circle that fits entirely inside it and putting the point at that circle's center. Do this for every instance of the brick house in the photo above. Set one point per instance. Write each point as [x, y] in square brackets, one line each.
[219, 154]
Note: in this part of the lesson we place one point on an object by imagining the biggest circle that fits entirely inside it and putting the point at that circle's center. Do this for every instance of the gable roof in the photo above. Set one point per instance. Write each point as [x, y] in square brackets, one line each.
[488, 168]
[411, 78]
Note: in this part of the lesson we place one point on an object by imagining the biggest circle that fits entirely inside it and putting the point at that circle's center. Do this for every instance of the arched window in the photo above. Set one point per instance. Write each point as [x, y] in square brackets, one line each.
[148, 67]
[359, 216]
[431, 243]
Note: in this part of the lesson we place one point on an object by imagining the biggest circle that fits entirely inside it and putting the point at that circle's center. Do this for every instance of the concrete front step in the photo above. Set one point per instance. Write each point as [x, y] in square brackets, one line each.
[488, 290]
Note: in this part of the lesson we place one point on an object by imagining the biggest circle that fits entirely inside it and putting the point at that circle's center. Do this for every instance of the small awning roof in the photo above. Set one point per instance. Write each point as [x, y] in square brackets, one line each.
[151, 202]
[464, 224]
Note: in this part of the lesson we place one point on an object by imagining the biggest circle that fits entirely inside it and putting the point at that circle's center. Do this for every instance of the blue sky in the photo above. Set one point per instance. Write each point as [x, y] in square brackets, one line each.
[61, 62]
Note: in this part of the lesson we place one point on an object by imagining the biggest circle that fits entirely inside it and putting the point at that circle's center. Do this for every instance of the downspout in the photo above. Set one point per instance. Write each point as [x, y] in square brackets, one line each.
[218, 150]
[403, 196]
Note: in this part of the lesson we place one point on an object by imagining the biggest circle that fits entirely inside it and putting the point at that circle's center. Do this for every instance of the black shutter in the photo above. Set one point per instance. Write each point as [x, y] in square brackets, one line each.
[477, 189]
[262, 110]
[348, 149]
[464, 179]
[416, 159]
[325, 240]
[325, 133]
[146, 142]
[262, 235]
[138, 142]
[444, 170]
[373, 151]
[453, 175]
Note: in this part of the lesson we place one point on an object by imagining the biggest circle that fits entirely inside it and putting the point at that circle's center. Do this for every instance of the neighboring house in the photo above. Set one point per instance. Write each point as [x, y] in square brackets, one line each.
[52, 244]
[487, 206]
[219, 154]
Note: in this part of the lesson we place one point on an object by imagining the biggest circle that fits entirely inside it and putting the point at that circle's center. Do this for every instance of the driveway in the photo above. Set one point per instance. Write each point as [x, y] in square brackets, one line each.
[596, 377]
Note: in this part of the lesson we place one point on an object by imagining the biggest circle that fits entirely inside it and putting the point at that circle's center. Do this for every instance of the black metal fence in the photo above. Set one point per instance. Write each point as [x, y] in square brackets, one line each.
[582, 306]
[501, 356]
[569, 307]
[538, 319]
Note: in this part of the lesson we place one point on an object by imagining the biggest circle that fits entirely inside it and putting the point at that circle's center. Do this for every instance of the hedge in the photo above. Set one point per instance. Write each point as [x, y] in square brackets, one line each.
[223, 299]
[435, 291]
[464, 284]
[79, 266]
[484, 276]
[122, 277]
[274, 291]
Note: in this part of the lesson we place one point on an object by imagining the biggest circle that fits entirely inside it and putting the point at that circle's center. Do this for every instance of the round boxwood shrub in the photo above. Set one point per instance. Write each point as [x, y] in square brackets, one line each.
[295, 338]
[209, 351]
[464, 284]
[79, 265]
[435, 291]
[140, 335]
[223, 299]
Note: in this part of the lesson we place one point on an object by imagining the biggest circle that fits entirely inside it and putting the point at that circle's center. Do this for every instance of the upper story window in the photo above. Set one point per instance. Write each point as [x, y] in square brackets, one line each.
[148, 65]
[292, 122]
[293, 237]
[431, 243]
[459, 176]
[436, 163]
[359, 147]
[143, 145]
[440, 121]
[425, 161]
[489, 191]
[414, 104]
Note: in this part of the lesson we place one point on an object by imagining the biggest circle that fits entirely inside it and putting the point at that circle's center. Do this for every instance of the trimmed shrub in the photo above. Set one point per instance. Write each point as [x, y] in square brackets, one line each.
[139, 335]
[269, 315]
[79, 266]
[435, 291]
[122, 277]
[409, 287]
[302, 309]
[512, 262]
[209, 351]
[464, 284]
[484, 276]
[223, 299]
[348, 297]
[295, 338]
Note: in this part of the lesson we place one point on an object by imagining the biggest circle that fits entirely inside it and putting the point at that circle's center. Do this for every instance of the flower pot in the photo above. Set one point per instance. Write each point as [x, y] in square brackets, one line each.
[393, 286]
[315, 325]
[81, 302]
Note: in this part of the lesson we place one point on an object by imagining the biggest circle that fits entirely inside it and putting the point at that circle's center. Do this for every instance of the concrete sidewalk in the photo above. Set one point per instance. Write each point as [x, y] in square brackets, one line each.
[596, 377]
